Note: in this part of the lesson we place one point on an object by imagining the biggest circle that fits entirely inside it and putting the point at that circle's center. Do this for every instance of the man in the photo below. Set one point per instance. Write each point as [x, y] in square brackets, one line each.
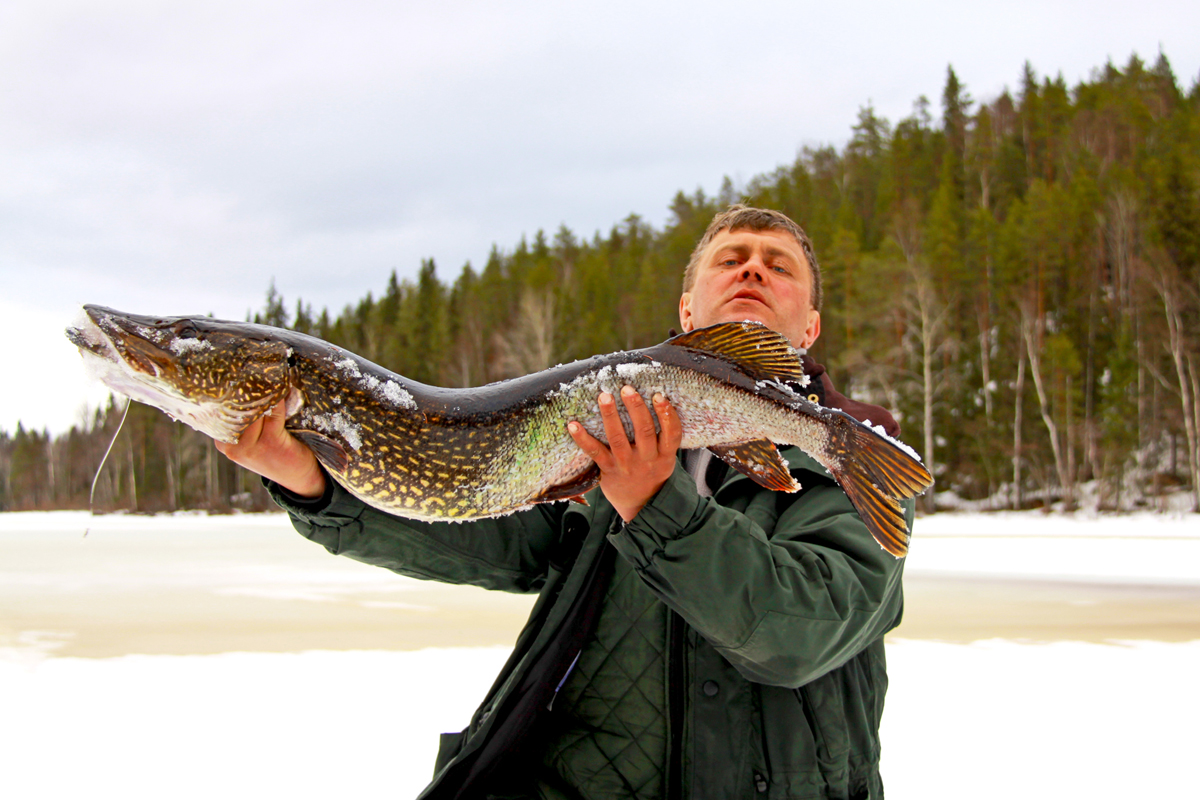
[696, 635]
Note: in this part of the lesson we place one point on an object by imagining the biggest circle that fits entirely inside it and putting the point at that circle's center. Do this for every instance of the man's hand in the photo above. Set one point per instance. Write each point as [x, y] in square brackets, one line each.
[631, 474]
[269, 450]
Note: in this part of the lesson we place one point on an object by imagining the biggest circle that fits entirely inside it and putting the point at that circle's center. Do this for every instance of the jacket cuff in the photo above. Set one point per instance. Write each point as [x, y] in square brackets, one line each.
[335, 505]
[669, 515]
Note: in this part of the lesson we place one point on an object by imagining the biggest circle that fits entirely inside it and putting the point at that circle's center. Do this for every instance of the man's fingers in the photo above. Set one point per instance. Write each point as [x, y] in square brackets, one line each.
[614, 429]
[274, 419]
[246, 440]
[644, 435]
[648, 445]
[265, 430]
[589, 444]
[671, 434]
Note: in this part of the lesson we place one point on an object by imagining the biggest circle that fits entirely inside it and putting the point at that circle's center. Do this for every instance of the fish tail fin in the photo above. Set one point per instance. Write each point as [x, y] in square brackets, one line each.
[875, 475]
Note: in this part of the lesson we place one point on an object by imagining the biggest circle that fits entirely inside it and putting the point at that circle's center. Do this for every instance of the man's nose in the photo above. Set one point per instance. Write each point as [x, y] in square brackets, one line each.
[753, 271]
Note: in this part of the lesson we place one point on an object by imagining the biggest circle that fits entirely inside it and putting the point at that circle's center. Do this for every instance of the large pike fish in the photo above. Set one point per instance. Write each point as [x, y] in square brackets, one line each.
[455, 454]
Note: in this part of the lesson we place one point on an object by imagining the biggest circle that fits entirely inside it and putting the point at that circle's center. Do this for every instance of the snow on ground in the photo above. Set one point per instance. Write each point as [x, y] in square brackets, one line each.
[82, 522]
[1135, 548]
[1064, 720]
[990, 720]
[994, 719]
[236, 725]
[1010, 524]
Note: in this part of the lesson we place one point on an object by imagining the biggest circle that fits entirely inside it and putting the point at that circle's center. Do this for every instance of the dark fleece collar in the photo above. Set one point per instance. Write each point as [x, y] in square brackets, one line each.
[830, 397]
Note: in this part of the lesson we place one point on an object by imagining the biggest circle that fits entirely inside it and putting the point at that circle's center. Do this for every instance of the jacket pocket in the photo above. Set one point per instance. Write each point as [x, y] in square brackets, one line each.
[821, 739]
[789, 738]
[844, 708]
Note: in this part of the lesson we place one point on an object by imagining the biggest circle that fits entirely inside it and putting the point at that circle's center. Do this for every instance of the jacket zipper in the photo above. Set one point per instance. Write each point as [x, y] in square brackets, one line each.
[676, 635]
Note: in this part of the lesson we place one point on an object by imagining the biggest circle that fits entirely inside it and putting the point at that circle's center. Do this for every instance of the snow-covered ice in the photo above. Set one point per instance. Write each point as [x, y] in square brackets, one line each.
[992, 719]
[235, 725]
[989, 720]
[1134, 548]
[1001, 720]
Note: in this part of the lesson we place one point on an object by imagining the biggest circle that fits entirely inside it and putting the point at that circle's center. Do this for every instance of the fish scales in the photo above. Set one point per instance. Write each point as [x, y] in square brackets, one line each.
[433, 453]
[710, 413]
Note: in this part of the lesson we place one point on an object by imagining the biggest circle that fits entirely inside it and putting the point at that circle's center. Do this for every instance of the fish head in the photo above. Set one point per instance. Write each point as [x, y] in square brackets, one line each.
[215, 376]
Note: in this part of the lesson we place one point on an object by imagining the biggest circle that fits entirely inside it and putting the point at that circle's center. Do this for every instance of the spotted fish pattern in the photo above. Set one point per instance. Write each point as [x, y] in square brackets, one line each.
[433, 453]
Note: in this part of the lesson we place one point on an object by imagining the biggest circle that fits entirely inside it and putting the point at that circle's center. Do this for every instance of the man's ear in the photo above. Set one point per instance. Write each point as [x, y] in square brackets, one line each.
[685, 312]
[812, 330]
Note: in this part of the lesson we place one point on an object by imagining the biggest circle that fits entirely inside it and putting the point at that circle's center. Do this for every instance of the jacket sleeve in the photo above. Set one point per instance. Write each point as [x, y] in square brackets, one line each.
[782, 608]
[505, 553]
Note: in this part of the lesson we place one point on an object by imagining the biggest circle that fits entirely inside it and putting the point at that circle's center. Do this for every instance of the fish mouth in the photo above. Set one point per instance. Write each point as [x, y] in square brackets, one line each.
[87, 337]
[137, 342]
[134, 356]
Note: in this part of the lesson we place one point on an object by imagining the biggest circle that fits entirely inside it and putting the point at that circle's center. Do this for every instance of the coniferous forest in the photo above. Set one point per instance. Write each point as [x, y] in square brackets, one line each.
[1017, 279]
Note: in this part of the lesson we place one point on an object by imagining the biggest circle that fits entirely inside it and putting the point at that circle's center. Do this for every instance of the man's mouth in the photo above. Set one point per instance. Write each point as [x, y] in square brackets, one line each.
[748, 295]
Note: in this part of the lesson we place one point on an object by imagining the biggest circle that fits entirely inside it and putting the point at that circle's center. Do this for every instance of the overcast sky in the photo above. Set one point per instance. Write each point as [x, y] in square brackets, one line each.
[171, 158]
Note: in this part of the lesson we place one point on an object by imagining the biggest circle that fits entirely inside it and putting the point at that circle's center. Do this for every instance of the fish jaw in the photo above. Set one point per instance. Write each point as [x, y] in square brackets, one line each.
[145, 360]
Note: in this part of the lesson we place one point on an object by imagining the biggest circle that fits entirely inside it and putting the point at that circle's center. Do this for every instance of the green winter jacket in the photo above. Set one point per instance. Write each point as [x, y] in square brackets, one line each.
[752, 667]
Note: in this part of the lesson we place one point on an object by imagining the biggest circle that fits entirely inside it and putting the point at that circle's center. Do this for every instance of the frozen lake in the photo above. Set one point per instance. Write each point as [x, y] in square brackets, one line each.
[1040, 657]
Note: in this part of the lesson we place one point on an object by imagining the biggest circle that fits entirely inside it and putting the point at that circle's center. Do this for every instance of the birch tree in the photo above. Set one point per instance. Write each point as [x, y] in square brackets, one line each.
[529, 344]
[1033, 330]
[1172, 292]
[929, 314]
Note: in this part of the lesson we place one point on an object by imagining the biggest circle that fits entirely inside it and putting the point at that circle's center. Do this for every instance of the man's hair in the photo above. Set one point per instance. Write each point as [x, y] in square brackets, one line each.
[738, 218]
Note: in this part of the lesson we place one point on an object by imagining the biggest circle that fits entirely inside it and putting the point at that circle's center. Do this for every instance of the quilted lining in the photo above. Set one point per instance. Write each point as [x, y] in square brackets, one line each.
[608, 735]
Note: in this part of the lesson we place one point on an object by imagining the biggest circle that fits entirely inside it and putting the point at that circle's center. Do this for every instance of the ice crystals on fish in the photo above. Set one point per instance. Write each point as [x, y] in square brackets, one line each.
[339, 423]
[396, 394]
[180, 346]
[884, 434]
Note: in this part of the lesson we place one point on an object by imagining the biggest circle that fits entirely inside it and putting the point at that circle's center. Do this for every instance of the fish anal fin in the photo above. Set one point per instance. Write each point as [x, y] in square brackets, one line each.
[572, 490]
[758, 460]
[760, 352]
[327, 450]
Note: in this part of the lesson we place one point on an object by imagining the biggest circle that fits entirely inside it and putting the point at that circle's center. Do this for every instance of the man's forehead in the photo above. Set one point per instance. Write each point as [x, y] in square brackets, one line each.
[774, 241]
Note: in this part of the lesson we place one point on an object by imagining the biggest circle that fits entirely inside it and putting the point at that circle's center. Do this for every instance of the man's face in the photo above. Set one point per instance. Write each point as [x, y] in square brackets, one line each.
[753, 275]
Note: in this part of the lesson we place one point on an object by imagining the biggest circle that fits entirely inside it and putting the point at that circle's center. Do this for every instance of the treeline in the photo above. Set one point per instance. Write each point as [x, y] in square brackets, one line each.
[1019, 281]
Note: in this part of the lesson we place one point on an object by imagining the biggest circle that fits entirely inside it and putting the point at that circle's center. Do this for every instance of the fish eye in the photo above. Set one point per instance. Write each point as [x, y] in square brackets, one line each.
[185, 329]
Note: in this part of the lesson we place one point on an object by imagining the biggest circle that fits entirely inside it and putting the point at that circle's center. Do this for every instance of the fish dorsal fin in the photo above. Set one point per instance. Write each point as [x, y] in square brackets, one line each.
[760, 352]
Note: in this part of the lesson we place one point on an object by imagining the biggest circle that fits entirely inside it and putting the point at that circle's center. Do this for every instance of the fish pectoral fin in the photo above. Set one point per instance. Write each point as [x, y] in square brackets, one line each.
[328, 451]
[760, 352]
[758, 460]
[573, 489]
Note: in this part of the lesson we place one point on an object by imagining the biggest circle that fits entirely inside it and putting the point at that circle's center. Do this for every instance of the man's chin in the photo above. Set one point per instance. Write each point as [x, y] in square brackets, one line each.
[749, 311]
